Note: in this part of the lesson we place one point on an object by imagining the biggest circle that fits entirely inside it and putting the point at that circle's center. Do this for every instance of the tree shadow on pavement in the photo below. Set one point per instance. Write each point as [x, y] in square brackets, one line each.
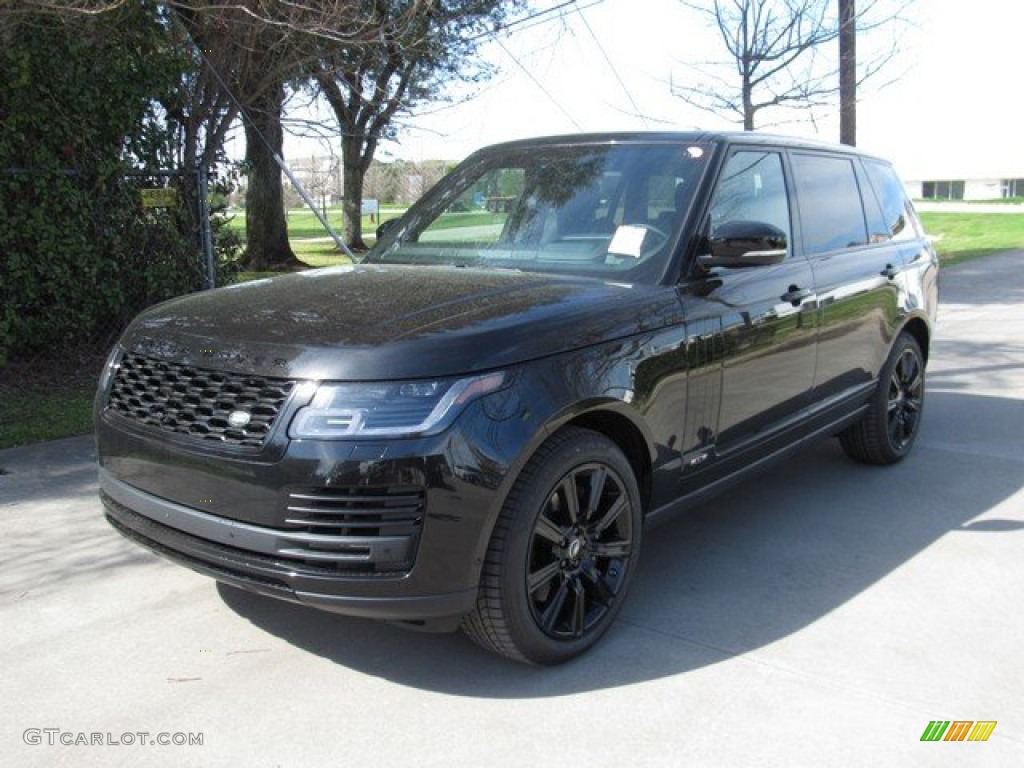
[50, 538]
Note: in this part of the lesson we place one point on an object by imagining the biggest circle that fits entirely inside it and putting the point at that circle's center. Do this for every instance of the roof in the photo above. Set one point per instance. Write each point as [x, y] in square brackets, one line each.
[744, 137]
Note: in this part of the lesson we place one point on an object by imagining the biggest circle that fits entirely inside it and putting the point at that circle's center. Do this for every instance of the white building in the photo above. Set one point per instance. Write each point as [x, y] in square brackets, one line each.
[966, 188]
[967, 175]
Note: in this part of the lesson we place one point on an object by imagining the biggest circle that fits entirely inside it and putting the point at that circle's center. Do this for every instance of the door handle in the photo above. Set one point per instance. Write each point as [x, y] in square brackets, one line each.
[890, 271]
[796, 295]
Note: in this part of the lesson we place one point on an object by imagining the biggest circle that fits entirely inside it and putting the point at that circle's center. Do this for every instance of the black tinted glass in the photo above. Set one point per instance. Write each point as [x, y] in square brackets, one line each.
[830, 206]
[751, 187]
[603, 210]
[891, 196]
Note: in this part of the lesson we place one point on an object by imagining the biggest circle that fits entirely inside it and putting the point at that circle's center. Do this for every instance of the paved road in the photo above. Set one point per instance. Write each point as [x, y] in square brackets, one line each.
[819, 615]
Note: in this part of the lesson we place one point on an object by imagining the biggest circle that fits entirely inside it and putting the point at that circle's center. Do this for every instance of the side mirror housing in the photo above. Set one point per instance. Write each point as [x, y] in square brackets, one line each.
[745, 244]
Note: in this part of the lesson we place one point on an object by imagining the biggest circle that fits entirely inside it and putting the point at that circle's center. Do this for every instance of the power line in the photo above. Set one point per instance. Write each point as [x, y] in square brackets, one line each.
[537, 19]
[517, 22]
[540, 85]
[611, 66]
[541, 22]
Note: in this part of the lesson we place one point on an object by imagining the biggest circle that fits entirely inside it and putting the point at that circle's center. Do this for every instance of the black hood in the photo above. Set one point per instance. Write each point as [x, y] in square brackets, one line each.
[395, 322]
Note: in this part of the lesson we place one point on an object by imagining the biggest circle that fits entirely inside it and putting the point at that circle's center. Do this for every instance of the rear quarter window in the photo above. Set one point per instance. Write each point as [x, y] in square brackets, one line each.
[892, 198]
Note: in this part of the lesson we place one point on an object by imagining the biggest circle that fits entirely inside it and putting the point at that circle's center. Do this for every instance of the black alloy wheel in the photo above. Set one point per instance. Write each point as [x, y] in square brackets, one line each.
[562, 552]
[887, 432]
[580, 548]
[906, 399]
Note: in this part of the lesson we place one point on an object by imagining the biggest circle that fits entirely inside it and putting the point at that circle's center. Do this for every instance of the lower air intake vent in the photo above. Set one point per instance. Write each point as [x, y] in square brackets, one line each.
[379, 526]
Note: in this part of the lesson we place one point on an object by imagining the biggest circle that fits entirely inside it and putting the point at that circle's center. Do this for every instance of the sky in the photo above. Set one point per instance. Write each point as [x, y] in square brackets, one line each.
[947, 106]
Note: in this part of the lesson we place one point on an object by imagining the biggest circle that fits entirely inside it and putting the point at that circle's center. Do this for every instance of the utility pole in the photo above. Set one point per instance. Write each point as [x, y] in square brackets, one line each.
[847, 72]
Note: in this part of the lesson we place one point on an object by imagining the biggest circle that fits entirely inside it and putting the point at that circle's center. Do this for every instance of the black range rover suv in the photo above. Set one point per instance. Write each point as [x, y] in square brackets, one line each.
[562, 341]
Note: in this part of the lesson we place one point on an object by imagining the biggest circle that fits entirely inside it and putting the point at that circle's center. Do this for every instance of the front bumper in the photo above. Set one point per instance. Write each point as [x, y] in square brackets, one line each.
[396, 531]
[265, 574]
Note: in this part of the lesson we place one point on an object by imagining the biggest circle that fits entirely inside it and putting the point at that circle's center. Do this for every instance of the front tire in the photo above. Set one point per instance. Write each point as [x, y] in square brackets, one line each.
[562, 552]
[887, 432]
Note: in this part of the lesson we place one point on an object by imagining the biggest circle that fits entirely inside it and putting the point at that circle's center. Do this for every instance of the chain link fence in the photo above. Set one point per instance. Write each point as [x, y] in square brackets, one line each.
[72, 279]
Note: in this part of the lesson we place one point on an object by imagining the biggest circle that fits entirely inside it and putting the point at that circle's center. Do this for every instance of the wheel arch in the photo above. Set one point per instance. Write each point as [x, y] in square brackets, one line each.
[612, 418]
[622, 431]
[919, 329]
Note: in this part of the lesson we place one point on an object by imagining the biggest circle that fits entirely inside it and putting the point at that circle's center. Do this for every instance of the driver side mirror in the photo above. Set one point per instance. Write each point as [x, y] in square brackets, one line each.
[745, 244]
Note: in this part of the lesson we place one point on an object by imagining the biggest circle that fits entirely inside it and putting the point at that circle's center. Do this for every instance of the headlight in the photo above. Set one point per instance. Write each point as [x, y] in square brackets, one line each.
[389, 409]
[107, 374]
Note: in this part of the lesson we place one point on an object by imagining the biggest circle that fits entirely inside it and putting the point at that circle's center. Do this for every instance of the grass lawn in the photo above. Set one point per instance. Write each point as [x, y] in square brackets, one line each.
[310, 241]
[468, 219]
[302, 222]
[29, 416]
[964, 236]
[48, 399]
[317, 253]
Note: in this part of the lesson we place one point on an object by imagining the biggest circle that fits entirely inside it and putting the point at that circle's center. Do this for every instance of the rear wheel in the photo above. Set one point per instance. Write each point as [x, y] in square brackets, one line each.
[887, 432]
[562, 552]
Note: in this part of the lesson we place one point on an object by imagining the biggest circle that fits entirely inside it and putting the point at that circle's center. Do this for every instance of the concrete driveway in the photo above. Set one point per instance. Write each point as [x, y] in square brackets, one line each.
[821, 614]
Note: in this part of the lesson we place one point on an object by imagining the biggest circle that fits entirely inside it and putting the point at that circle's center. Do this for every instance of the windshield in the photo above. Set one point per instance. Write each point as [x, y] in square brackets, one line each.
[610, 211]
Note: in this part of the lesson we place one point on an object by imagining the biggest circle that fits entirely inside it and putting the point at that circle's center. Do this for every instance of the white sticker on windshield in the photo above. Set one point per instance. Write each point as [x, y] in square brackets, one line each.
[628, 241]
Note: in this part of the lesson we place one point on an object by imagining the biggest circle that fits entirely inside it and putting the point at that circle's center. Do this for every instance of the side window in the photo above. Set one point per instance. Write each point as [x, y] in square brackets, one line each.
[831, 212]
[752, 187]
[892, 198]
[878, 230]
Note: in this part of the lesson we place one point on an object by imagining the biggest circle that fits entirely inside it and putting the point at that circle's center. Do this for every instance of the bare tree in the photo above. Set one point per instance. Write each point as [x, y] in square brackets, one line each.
[418, 55]
[11, 10]
[775, 55]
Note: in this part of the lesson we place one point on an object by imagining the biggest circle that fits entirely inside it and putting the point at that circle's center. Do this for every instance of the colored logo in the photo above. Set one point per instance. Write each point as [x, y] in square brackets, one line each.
[958, 730]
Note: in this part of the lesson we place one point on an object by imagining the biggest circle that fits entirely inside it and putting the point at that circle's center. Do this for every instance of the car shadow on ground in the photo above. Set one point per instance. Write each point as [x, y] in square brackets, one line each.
[752, 566]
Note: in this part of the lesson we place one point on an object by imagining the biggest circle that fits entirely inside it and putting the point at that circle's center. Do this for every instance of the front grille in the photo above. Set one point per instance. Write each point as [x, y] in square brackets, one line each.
[196, 402]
